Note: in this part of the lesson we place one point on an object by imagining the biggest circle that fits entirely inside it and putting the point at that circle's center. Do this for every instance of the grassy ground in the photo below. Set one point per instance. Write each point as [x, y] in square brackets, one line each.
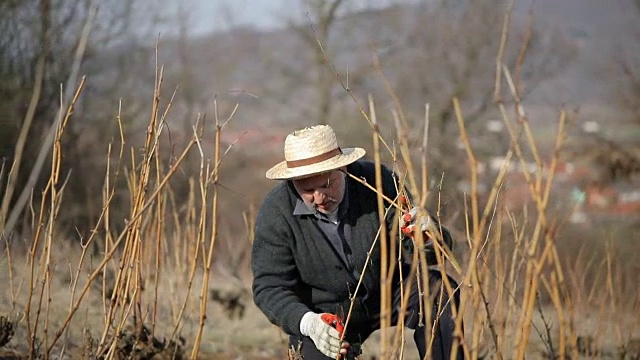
[229, 334]
[225, 334]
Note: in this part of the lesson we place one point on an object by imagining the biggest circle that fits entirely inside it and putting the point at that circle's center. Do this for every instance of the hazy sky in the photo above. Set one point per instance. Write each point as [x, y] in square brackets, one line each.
[211, 15]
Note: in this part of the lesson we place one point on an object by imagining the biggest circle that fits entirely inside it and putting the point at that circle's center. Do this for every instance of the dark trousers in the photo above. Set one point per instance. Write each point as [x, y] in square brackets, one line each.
[442, 322]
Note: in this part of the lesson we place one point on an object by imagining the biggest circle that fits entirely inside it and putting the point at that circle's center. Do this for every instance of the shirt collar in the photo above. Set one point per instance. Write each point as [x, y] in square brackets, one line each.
[302, 208]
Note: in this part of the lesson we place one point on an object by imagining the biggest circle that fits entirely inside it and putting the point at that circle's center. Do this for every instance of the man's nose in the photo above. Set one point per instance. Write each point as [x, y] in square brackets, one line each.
[318, 197]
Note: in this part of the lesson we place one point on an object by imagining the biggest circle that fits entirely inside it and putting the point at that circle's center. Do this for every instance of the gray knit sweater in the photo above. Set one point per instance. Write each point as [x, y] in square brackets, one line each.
[296, 270]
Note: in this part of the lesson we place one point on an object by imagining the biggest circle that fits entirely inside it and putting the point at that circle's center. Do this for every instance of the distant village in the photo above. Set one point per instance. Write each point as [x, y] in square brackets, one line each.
[579, 185]
[575, 187]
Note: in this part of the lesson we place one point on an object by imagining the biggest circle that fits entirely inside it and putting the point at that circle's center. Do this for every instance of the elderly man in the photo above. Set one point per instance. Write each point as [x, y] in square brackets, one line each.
[313, 234]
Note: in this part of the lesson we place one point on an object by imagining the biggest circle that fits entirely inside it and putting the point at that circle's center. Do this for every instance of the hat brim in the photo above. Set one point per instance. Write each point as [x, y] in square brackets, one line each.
[281, 172]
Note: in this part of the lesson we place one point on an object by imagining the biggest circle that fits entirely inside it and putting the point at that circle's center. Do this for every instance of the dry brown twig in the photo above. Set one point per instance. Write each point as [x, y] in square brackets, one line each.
[212, 178]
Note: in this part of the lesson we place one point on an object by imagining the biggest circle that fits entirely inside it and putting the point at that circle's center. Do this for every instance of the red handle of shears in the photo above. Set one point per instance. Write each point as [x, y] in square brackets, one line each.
[334, 321]
[406, 217]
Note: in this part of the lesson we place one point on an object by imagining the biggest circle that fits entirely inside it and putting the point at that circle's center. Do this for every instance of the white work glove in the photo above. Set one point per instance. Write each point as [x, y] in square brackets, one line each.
[324, 336]
[415, 220]
[410, 222]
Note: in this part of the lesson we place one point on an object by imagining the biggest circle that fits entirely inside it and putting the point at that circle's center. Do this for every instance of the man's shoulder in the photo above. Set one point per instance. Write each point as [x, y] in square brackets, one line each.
[366, 169]
[361, 167]
[277, 197]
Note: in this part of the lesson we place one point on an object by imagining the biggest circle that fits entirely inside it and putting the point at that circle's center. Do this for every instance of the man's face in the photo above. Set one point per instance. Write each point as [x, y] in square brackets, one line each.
[324, 192]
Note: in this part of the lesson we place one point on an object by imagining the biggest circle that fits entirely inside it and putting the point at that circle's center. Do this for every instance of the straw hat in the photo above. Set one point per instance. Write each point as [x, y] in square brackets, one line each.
[310, 151]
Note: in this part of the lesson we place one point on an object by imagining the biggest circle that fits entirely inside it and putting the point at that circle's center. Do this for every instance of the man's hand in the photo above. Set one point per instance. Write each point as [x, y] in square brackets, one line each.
[411, 221]
[417, 220]
[324, 336]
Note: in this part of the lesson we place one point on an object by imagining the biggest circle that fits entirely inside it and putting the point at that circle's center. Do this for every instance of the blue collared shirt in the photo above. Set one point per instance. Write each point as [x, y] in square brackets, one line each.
[338, 234]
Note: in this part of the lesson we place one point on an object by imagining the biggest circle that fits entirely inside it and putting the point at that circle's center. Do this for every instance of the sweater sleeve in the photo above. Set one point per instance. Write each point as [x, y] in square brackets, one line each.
[275, 276]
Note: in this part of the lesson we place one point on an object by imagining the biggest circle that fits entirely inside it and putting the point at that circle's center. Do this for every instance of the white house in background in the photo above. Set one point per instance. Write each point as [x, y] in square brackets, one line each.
[591, 127]
[495, 126]
[496, 163]
[630, 196]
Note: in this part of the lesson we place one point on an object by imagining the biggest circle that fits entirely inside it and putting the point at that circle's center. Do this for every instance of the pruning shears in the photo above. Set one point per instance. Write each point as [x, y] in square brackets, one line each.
[334, 321]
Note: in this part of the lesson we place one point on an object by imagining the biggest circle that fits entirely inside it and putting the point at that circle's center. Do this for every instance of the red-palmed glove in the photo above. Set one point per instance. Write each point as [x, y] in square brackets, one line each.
[416, 220]
[412, 221]
[325, 336]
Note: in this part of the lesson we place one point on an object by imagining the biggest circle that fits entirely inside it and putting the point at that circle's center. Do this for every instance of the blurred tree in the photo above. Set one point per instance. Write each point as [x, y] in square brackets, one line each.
[627, 69]
[185, 63]
[38, 39]
[449, 49]
[323, 16]
[616, 156]
[321, 34]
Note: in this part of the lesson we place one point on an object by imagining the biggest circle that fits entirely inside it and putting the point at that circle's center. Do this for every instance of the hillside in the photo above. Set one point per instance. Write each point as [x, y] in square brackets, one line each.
[264, 70]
